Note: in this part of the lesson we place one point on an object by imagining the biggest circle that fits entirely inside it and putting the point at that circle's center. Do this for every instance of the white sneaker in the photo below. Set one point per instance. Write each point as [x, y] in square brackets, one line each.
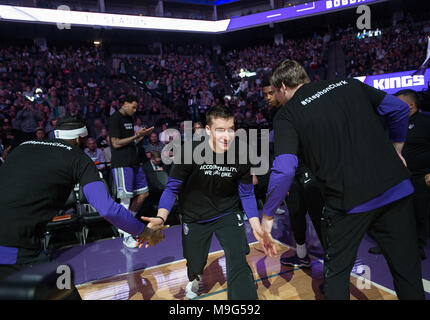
[128, 239]
[192, 289]
[280, 211]
[130, 242]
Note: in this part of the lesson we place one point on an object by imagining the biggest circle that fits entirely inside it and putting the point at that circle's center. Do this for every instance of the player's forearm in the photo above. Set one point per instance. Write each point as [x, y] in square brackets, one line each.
[168, 197]
[396, 114]
[284, 168]
[255, 224]
[116, 214]
[247, 197]
[119, 143]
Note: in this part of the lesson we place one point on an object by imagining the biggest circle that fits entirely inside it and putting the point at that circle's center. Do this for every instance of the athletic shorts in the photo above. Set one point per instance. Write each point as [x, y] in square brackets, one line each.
[129, 182]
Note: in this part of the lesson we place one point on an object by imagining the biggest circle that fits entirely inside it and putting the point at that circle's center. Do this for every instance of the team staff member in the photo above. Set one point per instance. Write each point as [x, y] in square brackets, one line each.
[35, 181]
[304, 196]
[129, 177]
[210, 198]
[335, 124]
[417, 155]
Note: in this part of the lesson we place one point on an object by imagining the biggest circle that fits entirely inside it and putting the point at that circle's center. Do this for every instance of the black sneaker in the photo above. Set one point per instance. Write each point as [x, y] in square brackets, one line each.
[295, 261]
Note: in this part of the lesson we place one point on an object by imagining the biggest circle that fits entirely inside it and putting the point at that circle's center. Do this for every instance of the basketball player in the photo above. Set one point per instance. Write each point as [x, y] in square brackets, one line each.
[210, 198]
[337, 126]
[417, 155]
[35, 181]
[304, 196]
[129, 177]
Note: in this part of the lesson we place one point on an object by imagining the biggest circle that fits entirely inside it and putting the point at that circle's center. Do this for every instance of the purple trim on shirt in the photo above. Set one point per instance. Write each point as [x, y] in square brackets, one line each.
[214, 218]
[116, 214]
[395, 193]
[395, 112]
[169, 194]
[425, 113]
[249, 203]
[8, 255]
[284, 168]
[272, 136]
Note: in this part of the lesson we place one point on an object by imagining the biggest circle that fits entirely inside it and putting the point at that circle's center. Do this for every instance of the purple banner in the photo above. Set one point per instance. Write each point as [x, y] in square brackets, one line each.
[393, 82]
[307, 9]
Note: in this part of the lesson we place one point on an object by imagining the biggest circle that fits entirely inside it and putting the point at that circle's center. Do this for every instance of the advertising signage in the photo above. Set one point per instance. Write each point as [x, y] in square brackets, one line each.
[393, 82]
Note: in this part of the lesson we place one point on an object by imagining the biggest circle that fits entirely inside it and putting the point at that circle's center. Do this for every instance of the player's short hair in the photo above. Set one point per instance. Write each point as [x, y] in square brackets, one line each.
[70, 123]
[218, 111]
[290, 73]
[409, 94]
[266, 81]
[130, 98]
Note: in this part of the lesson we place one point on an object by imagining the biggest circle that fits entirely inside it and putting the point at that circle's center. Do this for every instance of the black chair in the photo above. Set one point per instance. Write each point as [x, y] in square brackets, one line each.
[157, 181]
[90, 217]
[66, 220]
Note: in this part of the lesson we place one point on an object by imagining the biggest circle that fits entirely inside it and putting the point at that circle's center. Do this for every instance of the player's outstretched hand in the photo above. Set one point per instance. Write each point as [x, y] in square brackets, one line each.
[155, 223]
[263, 237]
[144, 132]
[150, 236]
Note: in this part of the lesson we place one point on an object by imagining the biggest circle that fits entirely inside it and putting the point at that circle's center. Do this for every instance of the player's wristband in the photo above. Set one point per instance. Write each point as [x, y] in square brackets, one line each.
[164, 221]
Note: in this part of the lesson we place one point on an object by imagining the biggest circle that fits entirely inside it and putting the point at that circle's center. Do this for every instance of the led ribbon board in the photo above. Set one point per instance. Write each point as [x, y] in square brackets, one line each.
[294, 12]
[78, 18]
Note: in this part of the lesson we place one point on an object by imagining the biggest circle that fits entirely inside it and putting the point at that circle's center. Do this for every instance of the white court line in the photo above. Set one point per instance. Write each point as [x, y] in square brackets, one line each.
[313, 7]
[426, 284]
[274, 15]
[357, 276]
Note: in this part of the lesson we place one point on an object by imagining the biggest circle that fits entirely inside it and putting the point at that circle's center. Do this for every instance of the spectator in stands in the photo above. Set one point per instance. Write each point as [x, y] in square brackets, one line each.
[198, 130]
[96, 154]
[40, 134]
[154, 145]
[249, 121]
[29, 117]
[50, 128]
[138, 124]
[97, 129]
[107, 152]
[102, 141]
[155, 163]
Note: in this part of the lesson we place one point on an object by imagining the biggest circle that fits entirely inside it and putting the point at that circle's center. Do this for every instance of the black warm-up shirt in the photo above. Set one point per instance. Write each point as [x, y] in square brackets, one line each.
[121, 127]
[210, 190]
[417, 146]
[336, 126]
[35, 182]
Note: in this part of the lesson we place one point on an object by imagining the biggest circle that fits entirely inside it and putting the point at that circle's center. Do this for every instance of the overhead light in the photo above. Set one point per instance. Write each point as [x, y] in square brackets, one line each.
[97, 43]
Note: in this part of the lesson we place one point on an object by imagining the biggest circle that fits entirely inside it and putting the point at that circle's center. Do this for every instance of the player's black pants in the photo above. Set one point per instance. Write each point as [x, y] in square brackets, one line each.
[300, 201]
[421, 200]
[230, 232]
[394, 230]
